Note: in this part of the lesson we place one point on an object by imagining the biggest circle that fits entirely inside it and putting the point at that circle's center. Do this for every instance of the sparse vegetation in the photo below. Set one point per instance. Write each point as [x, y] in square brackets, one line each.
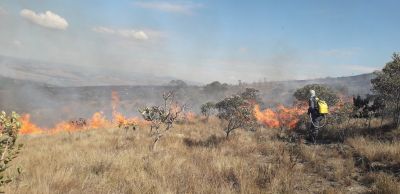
[188, 161]
[358, 151]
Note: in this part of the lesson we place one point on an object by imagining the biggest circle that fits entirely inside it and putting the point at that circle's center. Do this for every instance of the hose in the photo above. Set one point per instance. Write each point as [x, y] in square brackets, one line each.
[323, 122]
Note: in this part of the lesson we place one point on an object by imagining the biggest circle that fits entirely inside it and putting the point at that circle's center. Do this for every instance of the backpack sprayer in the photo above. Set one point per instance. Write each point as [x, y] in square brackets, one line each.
[323, 110]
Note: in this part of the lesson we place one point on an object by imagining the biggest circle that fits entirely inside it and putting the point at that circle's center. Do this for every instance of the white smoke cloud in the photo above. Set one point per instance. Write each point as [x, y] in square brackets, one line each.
[47, 19]
[126, 33]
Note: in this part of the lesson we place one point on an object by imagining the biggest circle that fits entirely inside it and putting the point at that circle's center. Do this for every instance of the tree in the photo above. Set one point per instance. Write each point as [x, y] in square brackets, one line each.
[177, 83]
[323, 92]
[207, 109]
[251, 95]
[215, 87]
[235, 112]
[386, 84]
[9, 149]
[162, 115]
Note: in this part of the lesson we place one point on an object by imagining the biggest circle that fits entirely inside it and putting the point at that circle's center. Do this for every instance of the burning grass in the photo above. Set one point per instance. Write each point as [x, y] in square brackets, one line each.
[192, 158]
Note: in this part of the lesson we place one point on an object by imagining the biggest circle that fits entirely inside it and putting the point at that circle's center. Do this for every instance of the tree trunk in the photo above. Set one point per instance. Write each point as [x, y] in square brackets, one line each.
[396, 114]
[3, 155]
[227, 134]
[369, 123]
[153, 147]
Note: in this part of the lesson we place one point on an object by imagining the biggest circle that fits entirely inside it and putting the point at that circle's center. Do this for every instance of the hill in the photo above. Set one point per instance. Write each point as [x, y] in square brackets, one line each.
[53, 93]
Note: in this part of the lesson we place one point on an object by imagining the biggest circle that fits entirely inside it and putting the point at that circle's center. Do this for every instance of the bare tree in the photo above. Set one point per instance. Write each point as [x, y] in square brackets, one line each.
[164, 115]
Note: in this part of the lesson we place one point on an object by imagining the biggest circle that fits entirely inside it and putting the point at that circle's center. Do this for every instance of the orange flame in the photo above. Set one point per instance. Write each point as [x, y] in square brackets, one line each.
[98, 120]
[281, 117]
[28, 127]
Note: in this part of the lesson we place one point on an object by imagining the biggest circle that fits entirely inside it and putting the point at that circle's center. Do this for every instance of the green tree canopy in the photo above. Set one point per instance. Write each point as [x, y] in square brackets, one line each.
[387, 85]
[207, 109]
[215, 87]
[236, 112]
[322, 92]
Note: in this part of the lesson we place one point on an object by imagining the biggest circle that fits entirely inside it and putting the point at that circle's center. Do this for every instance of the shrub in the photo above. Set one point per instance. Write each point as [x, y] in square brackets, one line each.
[9, 127]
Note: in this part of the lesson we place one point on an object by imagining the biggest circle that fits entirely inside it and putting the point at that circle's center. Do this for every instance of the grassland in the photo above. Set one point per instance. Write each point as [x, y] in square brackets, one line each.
[196, 158]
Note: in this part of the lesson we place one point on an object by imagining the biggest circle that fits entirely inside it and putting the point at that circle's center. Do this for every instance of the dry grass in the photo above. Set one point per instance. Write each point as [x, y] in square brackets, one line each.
[375, 150]
[191, 158]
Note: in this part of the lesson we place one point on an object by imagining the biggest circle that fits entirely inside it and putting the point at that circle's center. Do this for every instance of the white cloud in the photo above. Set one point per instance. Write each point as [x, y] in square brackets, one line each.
[47, 19]
[181, 8]
[126, 33]
[104, 30]
[140, 35]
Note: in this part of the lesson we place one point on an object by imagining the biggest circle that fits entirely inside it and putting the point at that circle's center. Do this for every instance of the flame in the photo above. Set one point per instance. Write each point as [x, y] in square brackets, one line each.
[28, 127]
[267, 117]
[281, 117]
[118, 118]
[97, 120]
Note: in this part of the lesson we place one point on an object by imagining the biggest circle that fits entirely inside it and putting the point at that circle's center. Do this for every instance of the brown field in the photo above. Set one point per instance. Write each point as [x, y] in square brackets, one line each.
[196, 158]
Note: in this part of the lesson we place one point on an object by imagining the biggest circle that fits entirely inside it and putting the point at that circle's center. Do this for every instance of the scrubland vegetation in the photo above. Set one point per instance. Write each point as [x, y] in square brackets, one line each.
[230, 149]
[197, 158]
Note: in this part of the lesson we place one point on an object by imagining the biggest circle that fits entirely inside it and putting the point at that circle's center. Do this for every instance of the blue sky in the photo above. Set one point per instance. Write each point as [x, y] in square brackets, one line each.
[204, 41]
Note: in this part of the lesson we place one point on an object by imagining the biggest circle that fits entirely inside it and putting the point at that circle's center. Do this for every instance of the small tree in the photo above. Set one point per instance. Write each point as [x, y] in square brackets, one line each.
[251, 95]
[9, 127]
[215, 87]
[369, 107]
[177, 84]
[162, 115]
[235, 112]
[322, 92]
[387, 85]
[207, 109]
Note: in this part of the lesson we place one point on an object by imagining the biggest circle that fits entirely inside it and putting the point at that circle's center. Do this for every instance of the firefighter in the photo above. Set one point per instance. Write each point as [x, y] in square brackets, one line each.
[313, 110]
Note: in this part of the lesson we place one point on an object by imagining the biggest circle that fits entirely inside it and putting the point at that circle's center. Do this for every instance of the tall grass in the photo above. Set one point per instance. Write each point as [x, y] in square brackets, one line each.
[191, 158]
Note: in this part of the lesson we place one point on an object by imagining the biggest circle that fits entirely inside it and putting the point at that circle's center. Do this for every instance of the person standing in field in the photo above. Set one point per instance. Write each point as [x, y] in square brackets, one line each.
[314, 112]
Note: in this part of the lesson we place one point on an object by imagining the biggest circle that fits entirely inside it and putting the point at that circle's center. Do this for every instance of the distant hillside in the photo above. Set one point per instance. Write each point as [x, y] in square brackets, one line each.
[72, 75]
[35, 89]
